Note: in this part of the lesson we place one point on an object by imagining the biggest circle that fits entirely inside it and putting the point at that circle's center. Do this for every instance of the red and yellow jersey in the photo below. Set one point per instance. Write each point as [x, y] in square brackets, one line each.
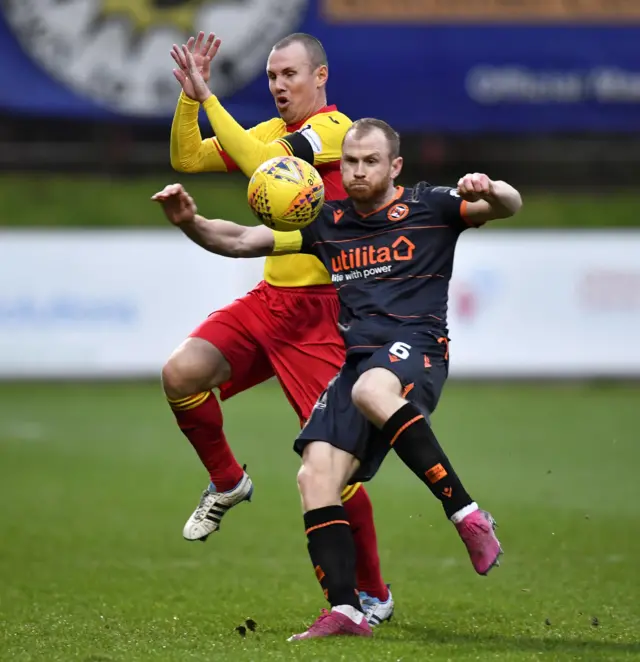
[317, 140]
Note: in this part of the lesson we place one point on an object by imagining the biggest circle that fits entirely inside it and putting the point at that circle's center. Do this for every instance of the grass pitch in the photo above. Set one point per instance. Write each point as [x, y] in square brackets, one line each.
[96, 482]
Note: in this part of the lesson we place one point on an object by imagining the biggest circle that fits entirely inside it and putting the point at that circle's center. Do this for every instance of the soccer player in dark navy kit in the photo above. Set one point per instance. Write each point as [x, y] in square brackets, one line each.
[390, 253]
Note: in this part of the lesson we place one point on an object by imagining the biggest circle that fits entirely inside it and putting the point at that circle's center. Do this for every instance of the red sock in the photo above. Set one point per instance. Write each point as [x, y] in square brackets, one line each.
[358, 506]
[200, 419]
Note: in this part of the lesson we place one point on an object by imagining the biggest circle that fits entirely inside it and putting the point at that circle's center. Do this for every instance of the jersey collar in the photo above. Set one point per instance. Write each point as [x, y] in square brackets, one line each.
[298, 125]
[397, 195]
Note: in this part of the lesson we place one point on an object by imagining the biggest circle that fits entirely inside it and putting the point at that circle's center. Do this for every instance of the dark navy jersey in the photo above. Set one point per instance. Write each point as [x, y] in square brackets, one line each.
[391, 267]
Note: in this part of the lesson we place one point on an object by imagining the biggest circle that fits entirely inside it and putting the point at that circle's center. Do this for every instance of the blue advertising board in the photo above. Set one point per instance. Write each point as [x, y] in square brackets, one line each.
[418, 67]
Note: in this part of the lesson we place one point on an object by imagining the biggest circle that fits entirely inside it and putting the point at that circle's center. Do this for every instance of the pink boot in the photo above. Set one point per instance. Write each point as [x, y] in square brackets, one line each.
[333, 623]
[477, 533]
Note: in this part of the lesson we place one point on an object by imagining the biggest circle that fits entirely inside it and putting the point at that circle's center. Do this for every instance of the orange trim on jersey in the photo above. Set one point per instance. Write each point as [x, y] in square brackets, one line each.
[409, 276]
[416, 317]
[398, 193]
[403, 428]
[322, 526]
[445, 340]
[377, 234]
[464, 214]
[407, 389]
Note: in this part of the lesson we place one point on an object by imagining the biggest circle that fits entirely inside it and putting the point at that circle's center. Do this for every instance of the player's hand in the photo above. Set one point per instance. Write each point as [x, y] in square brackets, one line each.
[474, 187]
[202, 54]
[177, 204]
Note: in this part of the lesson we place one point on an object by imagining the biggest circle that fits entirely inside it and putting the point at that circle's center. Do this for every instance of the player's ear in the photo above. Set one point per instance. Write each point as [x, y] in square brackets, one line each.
[322, 75]
[396, 166]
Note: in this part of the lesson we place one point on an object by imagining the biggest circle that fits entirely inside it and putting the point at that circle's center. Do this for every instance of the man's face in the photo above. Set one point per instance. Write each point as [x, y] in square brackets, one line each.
[293, 83]
[367, 168]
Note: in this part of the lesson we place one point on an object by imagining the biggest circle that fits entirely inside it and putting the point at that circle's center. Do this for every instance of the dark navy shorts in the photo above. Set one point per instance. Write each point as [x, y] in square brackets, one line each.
[421, 363]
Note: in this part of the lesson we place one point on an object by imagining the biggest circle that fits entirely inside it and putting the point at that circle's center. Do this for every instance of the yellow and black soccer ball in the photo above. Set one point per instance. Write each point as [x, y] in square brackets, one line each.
[286, 193]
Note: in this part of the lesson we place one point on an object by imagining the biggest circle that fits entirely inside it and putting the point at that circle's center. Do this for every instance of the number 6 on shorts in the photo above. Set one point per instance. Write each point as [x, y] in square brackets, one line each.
[400, 350]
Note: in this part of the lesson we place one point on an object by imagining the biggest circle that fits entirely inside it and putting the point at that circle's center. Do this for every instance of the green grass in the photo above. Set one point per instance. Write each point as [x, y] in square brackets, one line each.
[96, 482]
[60, 201]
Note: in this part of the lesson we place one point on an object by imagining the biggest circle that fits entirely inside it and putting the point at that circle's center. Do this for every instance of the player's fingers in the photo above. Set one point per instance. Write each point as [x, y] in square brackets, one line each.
[187, 204]
[465, 184]
[480, 182]
[177, 59]
[207, 44]
[190, 62]
[472, 183]
[198, 43]
[180, 76]
[171, 190]
[162, 196]
[214, 49]
[178, 56]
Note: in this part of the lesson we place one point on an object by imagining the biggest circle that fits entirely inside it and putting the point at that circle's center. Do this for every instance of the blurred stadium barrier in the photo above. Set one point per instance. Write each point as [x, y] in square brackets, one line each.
[96, 304]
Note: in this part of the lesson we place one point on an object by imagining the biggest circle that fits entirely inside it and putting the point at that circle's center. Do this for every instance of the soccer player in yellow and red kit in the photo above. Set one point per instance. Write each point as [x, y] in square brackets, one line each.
[287, 325]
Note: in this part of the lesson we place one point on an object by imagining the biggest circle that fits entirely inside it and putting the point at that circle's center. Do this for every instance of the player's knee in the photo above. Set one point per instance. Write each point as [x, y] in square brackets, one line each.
[193, 367]
[318, 487]
[374, 393]
[366, 393]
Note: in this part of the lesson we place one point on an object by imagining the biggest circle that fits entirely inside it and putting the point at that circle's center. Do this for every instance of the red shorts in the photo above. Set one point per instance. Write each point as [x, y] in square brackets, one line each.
[289, 332]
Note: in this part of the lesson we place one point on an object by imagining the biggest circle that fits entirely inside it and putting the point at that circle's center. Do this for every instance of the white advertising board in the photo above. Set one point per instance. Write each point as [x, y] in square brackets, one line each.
[106, 303]
[546, 304]
[115, 303]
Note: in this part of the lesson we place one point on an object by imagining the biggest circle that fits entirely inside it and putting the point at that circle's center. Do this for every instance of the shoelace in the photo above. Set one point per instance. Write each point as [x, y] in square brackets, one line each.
[203, 506]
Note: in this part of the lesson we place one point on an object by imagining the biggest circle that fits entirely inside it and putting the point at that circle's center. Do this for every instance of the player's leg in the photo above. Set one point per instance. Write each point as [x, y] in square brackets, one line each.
[219, 353]
[306, 354]
[399, 384]
[188, 377]
[325, 471]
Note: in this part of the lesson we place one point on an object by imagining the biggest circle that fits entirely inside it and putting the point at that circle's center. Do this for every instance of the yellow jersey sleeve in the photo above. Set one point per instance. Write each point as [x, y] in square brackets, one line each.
[246, 149]
[286, 243]
[191, 153]
[320, 139]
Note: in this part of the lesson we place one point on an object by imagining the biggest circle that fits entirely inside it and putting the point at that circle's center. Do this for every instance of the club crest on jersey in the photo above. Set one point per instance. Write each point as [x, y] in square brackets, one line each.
[398, 212]
[116, 52]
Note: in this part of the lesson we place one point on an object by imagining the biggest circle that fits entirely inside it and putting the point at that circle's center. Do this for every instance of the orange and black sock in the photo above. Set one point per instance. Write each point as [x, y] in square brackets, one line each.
[409, 434]
[200, 419]
[333, 554]
[359, 510]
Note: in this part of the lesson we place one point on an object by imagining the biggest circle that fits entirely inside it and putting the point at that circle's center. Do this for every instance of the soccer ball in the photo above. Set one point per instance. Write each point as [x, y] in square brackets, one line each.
[286, 193]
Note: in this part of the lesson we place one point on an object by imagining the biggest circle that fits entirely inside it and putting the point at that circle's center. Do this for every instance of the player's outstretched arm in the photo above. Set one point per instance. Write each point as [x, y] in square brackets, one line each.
[216, 236]
[246, 150]
[189, 152]
[487, 199]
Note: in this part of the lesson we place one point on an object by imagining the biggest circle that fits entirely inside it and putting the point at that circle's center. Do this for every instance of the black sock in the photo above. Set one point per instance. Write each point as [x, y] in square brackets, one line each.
[409, 434]
[333, 554]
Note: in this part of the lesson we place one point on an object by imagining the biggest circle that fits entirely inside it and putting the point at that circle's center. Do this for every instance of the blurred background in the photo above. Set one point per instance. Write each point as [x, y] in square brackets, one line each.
[95, 291]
